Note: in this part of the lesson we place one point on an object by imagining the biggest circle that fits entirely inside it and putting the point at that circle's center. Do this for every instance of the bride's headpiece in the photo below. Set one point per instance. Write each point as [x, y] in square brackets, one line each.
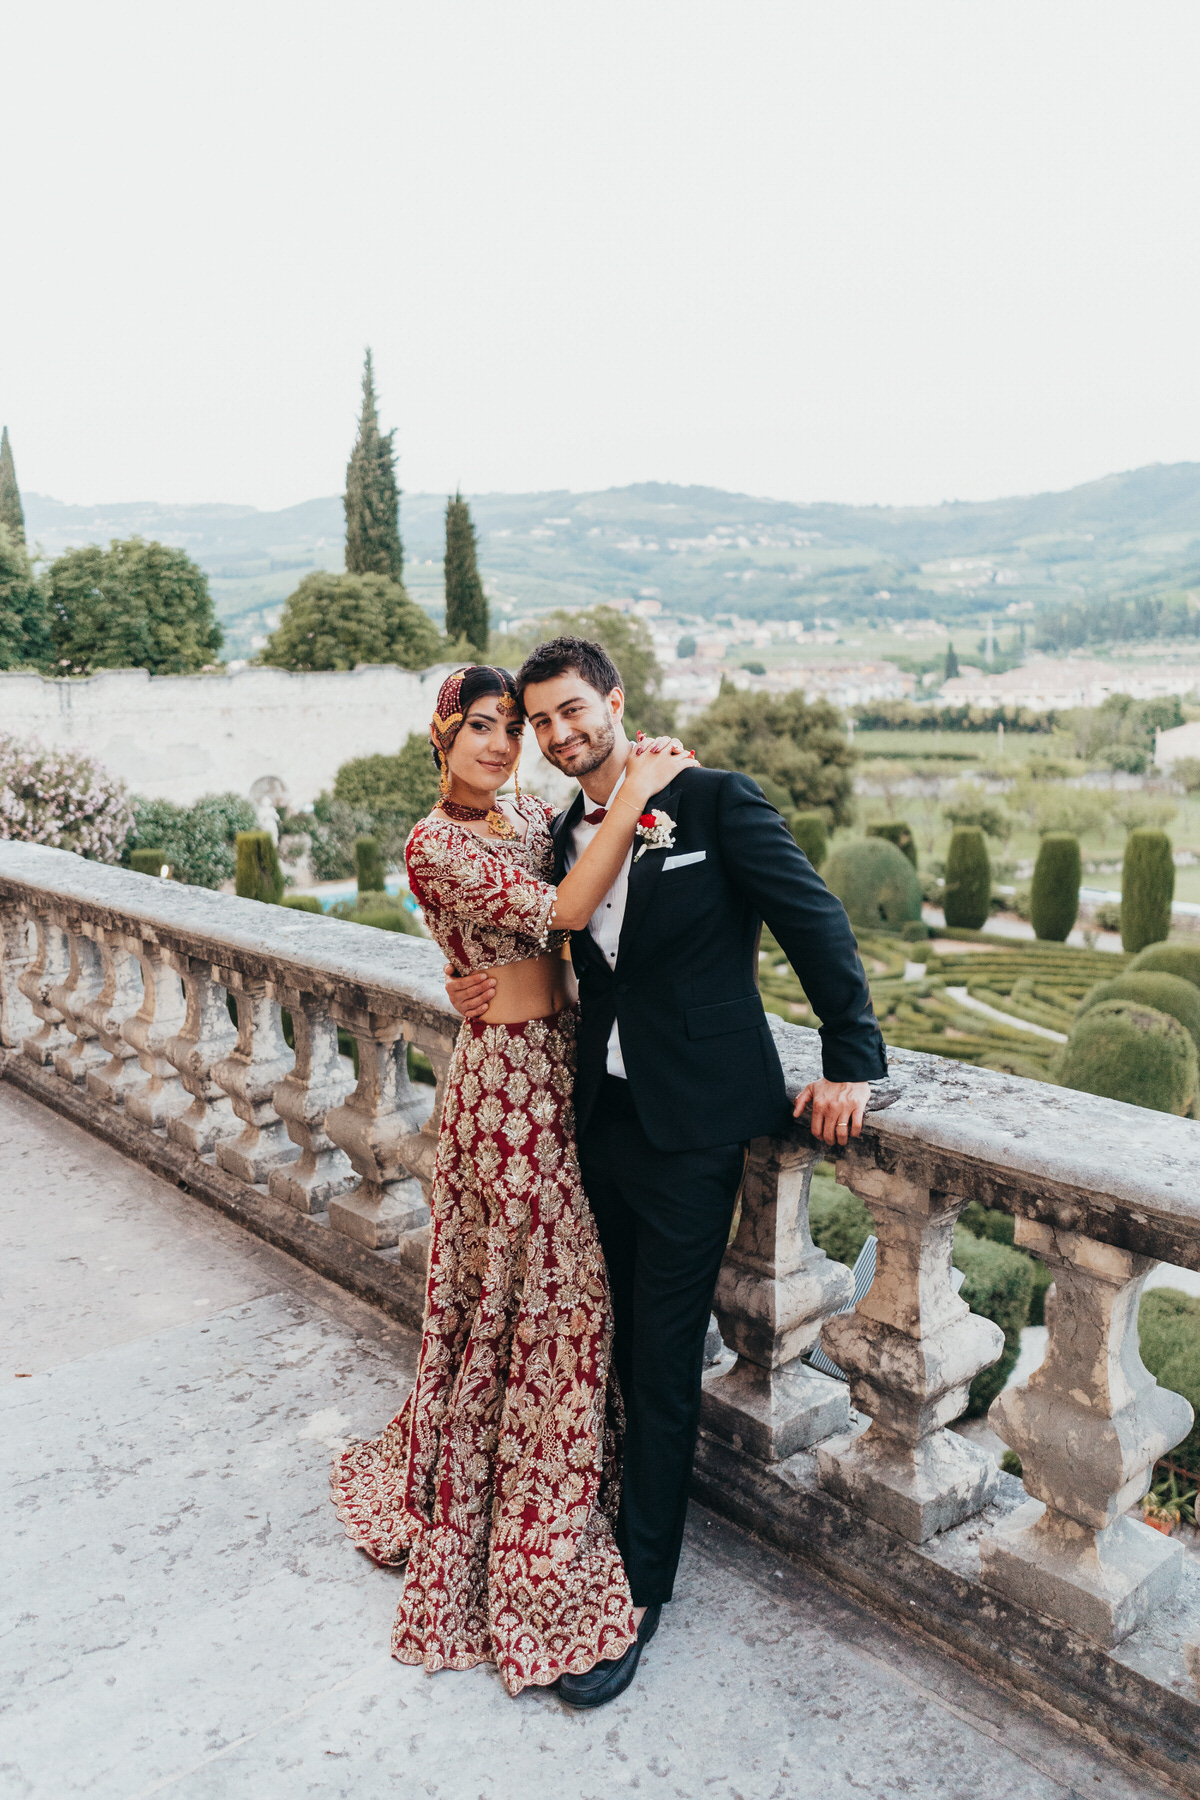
[447, 717]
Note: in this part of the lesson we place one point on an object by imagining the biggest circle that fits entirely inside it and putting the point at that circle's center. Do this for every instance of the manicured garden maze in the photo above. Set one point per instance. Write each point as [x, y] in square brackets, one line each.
[1040, 983]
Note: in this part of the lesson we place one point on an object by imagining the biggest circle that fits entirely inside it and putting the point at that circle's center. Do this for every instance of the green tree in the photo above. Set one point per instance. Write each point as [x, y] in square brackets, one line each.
[631, 647]
[337, 621]
[12, 514]
[259, 876]
[372, 499]
[1054, 895]
[950, 672]
[136, 605]
[1147, 889]
[25, 640]
[466, 607]
[968, 880]
[407, 783]
[797, 743]
[686, 645]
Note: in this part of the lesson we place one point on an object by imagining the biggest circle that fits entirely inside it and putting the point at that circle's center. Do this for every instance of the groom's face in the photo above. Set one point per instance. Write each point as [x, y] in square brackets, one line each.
[575, 726]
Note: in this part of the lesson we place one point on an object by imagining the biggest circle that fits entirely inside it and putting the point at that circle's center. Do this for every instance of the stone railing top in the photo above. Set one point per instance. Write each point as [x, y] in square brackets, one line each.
[1121, 1174]
[367, 968]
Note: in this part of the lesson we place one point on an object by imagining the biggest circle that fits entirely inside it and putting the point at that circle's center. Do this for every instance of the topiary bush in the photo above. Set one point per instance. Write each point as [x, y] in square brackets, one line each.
[808, 829]
[1151, 987]
[368, 864]
[1134, 1053]
[1054, 896]
[1147, 889]
[198, 839]
[876, 884]
[1169, 1326]
[998, 1284]
[151, 862]
[1169, 959]
[303, 903]
[259, 876]
[897, 832]
[967, 899]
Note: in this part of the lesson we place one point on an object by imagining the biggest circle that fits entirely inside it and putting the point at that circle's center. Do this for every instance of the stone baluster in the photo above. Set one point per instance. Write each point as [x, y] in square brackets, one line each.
[18, 942]
[911, 1349]
[249, 1074]
[774, 1292]
[317, 1083]
[158, 1020]
[118, 1000]
[83, 984]
[379, 1126]
[1088, 1425]
[206, 1038]
[418, 1152]
[48, 970]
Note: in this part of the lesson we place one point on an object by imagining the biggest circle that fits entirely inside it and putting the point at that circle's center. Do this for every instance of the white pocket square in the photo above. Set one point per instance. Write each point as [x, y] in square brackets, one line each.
[681, 862]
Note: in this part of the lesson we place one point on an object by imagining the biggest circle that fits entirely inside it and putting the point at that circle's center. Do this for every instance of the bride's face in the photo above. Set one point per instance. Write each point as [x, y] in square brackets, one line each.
[488, 745]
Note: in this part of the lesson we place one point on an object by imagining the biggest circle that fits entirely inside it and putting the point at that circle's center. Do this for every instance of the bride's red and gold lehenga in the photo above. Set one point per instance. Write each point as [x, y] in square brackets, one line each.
[498, 1481]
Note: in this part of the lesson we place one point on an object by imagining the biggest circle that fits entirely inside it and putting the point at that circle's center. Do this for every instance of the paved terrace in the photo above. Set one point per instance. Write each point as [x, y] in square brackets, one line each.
[185, 1618]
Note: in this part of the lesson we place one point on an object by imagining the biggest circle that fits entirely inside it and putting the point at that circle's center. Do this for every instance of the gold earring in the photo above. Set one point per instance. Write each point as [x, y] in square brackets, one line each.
[444, 778]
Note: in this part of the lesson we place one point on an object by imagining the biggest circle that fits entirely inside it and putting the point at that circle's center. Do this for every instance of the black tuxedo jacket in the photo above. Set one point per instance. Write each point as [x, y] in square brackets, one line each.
[698, 1053]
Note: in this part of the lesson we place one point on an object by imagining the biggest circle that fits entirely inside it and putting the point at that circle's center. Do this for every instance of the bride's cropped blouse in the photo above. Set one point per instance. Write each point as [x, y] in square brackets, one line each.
[487, 901]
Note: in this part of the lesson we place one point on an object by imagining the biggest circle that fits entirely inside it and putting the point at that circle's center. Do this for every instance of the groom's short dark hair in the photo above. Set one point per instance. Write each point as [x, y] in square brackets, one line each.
[570, 656]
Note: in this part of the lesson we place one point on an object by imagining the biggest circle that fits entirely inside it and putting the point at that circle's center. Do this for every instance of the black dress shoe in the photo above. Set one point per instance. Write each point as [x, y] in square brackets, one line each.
[610, 1678]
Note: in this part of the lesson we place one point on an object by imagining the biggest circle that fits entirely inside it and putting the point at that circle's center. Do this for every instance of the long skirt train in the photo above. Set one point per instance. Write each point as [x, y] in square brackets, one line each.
[499, 1479]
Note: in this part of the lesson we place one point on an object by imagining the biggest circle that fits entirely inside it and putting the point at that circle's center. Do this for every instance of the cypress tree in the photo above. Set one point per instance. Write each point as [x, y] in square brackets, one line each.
[466, 608]
[259, 876]
[1054, 896]
[968, 880]
[1147, 889]
[11, 511]
[372, 499]
[950, 672]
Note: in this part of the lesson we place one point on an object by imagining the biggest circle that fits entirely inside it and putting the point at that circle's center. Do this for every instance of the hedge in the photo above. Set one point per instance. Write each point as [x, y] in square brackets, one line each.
[1151, 987]
[898, 832]
[809, 831]
[1054, 894]
[1147, 889]
[1169, 1324]
[259, 876]
[1169, 959]
[369, 865]
[968, 890]
[990, 1222]
[876, 884]
[151, 862]
[1123, 1051]
[303, 903]
[998, 1285]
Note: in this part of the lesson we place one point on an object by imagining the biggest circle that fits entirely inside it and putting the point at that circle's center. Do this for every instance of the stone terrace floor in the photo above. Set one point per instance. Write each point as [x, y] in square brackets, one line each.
[182, 1615]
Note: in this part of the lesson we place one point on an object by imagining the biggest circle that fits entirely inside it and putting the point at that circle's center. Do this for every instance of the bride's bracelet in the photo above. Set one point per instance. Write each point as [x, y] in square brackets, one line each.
[632, 804]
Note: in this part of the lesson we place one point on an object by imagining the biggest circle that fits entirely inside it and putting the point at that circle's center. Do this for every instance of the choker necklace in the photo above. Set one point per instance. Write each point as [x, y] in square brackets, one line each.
[498, 825]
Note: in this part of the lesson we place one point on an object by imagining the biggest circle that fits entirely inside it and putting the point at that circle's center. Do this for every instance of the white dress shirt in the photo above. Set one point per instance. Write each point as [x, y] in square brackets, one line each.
[605, 923]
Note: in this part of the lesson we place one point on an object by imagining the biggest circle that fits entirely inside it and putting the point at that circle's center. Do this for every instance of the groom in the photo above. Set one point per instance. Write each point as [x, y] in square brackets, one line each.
[677, 1071]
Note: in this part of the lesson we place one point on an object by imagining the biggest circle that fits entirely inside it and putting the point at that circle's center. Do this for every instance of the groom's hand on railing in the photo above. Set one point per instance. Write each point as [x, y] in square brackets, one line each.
[837, 1108]
[470, 995]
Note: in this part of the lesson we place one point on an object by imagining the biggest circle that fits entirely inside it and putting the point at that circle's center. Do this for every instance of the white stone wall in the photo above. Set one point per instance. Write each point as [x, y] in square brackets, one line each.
[175, 737]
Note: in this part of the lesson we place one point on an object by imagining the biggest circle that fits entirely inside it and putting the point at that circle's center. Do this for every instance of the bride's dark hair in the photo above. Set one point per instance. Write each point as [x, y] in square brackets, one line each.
[476, 682]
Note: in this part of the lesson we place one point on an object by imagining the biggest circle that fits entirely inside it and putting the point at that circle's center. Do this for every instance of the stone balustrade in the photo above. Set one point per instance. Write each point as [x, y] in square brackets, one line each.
[115, 990]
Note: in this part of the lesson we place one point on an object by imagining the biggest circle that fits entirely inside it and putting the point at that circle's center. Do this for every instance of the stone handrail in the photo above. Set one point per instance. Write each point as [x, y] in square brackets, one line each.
[119, 984]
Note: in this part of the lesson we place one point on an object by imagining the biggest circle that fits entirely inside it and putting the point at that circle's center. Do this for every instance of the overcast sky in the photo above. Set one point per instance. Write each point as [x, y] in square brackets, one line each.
[835, 251]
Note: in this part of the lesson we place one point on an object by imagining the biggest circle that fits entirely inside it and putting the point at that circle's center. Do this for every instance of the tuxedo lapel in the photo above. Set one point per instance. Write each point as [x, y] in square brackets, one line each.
[560, 834]
[644, 872]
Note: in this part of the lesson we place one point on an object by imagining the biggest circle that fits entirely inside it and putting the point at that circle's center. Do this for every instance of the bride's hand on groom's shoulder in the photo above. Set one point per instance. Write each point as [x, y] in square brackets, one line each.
[674, 745]
[470, 995]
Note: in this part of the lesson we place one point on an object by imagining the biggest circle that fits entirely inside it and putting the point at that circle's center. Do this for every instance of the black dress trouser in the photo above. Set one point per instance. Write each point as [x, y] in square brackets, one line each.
[664, 1219]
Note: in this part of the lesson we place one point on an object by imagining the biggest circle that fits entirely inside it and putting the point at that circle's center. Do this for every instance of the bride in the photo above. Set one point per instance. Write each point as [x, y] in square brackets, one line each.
[499, 1480]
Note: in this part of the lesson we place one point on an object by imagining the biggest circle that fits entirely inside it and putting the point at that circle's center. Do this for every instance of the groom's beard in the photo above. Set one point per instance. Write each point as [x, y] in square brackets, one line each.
[587, 755]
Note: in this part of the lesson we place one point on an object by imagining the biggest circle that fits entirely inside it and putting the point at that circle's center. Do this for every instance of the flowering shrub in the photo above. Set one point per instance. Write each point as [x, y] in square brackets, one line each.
[63, 798]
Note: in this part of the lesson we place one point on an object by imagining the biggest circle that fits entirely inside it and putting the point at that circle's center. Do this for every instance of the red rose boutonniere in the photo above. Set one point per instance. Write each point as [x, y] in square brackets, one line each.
[656, 831]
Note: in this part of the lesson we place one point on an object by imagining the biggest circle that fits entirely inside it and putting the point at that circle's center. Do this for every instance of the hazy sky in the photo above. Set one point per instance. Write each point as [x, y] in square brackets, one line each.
[836, 251]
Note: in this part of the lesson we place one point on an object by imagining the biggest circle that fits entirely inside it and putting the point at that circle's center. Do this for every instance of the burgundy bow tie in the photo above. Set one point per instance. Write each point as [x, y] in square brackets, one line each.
[596, 818]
